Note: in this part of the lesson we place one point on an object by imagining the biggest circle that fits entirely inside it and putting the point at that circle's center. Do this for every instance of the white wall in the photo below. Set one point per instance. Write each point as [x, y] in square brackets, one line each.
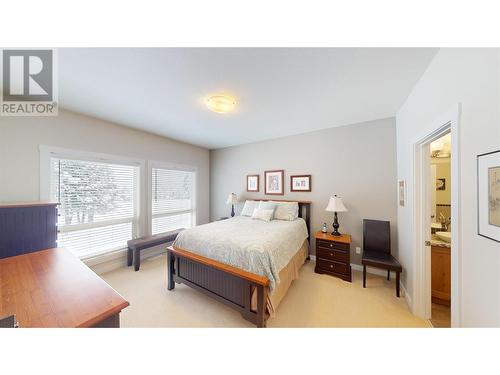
[470, 77]
[357, 162]
[20, 138]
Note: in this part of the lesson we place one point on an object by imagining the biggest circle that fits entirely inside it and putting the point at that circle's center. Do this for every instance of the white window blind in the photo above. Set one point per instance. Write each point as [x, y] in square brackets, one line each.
[98, 209]
[172, 193]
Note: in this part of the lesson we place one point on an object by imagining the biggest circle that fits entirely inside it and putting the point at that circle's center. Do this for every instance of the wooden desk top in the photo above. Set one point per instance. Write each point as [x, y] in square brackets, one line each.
[344, 238]
[53, 288]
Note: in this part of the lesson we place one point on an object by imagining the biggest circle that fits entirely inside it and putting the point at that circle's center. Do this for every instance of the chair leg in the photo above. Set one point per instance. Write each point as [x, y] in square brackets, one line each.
[388, 274]
[364, 276]
[397, 284]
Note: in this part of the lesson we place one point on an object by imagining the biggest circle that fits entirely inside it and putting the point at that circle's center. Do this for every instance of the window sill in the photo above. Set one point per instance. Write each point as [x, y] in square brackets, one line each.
[107, 262]
[94, 260]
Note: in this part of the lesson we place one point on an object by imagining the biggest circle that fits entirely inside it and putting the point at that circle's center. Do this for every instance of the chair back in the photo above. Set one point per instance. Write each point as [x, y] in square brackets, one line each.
[377, 235]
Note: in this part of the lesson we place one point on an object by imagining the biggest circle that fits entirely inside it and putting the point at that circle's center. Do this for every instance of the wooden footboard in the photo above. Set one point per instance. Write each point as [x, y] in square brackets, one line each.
[229, 285]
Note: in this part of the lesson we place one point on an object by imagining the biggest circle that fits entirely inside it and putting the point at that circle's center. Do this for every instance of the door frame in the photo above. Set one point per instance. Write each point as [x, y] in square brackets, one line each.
[448, 122]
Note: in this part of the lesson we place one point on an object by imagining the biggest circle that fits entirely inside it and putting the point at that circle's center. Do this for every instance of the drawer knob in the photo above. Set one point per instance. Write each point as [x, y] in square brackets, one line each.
[331, 266]
[331, 245]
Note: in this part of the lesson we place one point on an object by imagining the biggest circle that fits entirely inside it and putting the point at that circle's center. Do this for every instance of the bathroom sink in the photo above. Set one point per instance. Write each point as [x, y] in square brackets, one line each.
[436, 225]
[445, 236]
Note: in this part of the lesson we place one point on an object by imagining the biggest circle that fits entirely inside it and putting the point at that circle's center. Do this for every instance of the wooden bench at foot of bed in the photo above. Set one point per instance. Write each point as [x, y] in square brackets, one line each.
[229, 285]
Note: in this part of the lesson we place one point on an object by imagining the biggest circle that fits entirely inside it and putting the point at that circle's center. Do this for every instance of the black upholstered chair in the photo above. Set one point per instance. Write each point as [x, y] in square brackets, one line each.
[377, 249]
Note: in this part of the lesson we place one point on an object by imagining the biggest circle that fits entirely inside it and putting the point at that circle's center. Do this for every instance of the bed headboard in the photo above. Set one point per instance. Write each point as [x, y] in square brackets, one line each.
[304, 210]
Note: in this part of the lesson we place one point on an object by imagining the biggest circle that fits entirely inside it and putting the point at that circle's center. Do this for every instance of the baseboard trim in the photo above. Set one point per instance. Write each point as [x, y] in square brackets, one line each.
[407, 297]
[371, 270]
[118, 259]
[359, 267]
[383, 273]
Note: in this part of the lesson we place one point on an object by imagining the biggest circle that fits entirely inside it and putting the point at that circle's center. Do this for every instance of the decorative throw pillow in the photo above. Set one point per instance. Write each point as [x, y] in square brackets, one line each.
[262, 214]
[249, 207]
[286, 210]
[267, 206]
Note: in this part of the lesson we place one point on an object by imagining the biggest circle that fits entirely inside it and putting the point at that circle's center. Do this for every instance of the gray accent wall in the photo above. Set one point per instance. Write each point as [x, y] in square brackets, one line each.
[356, 162]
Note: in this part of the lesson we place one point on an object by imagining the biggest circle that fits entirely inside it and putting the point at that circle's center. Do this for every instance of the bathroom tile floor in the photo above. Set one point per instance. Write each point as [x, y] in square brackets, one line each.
[441, 316]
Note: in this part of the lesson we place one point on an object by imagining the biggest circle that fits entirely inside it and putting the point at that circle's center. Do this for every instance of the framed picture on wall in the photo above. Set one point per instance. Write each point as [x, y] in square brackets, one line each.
[274, 182]
[402, 192]
[300, 183]
[253, 182]
[441, 184]
[488, 195]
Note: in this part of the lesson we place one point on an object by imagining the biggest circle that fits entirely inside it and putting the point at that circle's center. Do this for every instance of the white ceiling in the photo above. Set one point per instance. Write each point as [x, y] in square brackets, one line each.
[280, 91]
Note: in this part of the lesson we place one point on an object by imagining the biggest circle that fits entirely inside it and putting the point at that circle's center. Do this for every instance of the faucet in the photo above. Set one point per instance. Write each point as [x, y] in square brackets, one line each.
[445, 223]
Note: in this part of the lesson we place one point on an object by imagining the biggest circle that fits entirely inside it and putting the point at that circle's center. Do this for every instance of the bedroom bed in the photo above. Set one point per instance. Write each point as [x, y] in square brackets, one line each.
[245, 263]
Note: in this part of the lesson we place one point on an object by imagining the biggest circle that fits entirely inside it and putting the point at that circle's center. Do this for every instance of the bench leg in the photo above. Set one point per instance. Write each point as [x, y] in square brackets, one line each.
[364, 276]
[397, 284]
[130, 255]
[170, 270]
[388, 274]
[137, 259]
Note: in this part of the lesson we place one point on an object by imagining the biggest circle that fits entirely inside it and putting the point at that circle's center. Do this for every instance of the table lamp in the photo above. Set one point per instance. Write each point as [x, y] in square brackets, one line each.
[232, 199]
[336, 205]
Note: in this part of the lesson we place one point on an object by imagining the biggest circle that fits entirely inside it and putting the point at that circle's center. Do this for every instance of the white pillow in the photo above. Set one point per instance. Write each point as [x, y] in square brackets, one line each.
[262, 214]
[249, 207]
[263, 205]
[286, 210]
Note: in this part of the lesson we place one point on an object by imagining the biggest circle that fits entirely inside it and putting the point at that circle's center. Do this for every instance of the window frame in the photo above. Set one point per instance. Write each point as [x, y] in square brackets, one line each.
[152, 164]
[47, 153]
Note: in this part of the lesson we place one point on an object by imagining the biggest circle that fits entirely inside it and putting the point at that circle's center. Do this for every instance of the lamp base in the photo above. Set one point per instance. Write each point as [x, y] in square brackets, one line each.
[336, 226]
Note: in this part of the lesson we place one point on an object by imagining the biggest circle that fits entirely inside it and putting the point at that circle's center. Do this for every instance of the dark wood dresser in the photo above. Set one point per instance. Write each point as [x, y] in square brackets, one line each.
[27, 227]
[333, 255]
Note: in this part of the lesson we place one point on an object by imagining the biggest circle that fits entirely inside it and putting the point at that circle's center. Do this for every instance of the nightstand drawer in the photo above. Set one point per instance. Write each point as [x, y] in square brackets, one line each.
[329, 266]
[331, 254]
[331, 245]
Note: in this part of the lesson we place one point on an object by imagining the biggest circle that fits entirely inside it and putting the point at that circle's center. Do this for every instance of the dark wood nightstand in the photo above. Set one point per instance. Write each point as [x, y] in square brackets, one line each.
[333, 255]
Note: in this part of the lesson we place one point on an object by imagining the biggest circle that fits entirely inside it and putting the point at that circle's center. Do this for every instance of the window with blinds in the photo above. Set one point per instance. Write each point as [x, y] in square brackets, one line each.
[172, 199]
[98, 205]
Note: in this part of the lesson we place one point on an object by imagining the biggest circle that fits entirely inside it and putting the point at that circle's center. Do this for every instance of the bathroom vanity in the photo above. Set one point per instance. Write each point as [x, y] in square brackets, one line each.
[441, 271]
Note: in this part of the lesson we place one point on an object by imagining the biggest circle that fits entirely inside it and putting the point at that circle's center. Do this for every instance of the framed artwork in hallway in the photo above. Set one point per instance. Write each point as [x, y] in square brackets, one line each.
[402, 192]
[488, 195]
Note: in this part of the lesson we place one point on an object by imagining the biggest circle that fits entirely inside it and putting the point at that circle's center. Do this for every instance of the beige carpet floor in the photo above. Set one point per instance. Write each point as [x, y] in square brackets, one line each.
[312, 301]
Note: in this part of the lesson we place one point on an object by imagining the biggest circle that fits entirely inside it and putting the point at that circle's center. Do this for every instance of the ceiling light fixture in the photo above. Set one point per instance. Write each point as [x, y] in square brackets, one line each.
[221, 103]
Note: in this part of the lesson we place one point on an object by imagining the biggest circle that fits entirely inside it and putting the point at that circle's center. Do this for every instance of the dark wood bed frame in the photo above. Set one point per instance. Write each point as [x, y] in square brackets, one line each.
[227, 284]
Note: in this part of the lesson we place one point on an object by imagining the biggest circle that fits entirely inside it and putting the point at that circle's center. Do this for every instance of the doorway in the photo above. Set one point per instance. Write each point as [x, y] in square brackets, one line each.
[440, 238]
[437, 223]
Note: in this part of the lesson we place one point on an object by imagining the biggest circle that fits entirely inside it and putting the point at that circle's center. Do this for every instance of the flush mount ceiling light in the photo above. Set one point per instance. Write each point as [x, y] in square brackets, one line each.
[441, 148]
[221, 103]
